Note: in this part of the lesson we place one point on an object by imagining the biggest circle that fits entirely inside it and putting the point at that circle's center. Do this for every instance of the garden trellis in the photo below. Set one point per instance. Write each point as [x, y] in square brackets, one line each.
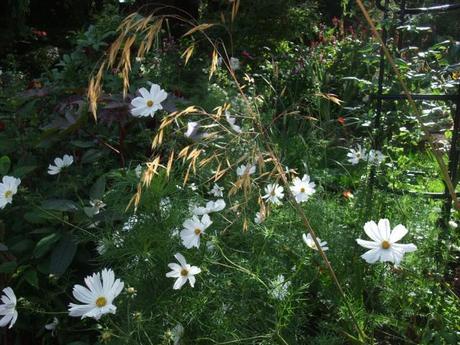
[454, 153]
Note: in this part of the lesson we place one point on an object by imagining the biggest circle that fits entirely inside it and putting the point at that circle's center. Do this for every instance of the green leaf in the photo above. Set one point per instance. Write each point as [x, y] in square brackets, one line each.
[21, 171]
[5, 165]
[31, 277]
[44, 245]
[90, 211]
[63, 254]
[91, 156]
[82, 144]
[97, 189]
[22, 247]
[40, 217]
[60, 205]
[8, 267]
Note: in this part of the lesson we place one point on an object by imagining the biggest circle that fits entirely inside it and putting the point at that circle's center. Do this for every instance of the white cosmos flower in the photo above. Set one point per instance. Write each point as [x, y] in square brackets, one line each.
[60, 163]
[177, 332]
[235, 63]
[356, 155]
[193, 229]
[149, 101]
[259, 218]
[182, 272]
[211, 206]
[375, 157]
[231, 121]
[97, 296]
[279, 288]
[274, 193]
[97, 205]
[302, 188]
[138, 171]
[130, 223]
[8, 312]
[383, 246]
[308, 239]
[216, 191]
[52, 326]
[101, 247]
[193, 131]
[8, 188]
[165, 206]
[245, 169]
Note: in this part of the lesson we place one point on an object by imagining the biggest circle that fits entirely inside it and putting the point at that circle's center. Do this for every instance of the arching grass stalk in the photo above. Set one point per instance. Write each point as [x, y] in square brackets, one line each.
[429, 138]
[193, 155]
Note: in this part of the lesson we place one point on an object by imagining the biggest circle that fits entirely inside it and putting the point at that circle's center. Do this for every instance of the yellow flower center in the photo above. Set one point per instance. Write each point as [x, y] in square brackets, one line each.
[197, 231]
[272, 193]
[184, 272]
[101, 302]
[149, 103]
[302, 190]
[8, 194]
[385, 244]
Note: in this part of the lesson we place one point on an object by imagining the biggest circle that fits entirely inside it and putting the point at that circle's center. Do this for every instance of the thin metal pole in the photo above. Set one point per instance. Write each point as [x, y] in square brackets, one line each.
[377, 141]
[454, 158]
[402, 20]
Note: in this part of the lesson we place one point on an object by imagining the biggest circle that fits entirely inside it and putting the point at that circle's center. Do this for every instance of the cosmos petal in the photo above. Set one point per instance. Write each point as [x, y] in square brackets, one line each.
[368, 244]
[5, 320]
[10, 293]
[372, 230]
[144, 92]
[191, 280]
[179, 283]
[384, 229]
[406, 248]
[181, 259]
[194, 270]
[138, 102]
[398, 232]
[82, 294]
[372, 256]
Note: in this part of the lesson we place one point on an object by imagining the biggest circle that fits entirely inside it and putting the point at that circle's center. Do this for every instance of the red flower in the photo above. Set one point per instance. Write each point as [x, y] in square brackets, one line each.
[341, 120]
[335, 21]
[39, 33]
[348, 194]
[246, 54]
